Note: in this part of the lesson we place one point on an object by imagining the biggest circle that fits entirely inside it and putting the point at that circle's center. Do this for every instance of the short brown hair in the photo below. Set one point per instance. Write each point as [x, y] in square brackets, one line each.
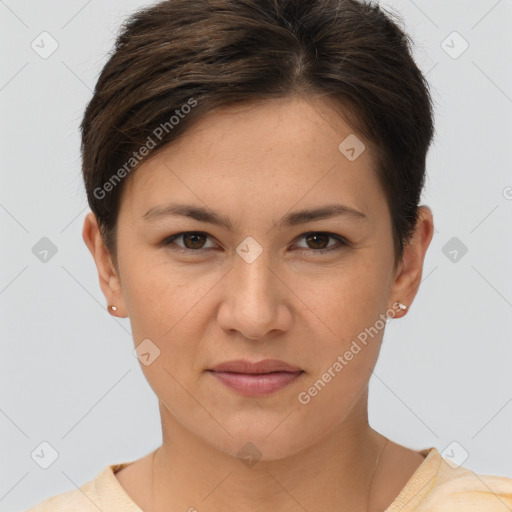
[192, 56]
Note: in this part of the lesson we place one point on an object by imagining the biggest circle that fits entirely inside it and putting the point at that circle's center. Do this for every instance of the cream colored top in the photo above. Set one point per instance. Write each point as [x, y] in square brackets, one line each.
[434, 487]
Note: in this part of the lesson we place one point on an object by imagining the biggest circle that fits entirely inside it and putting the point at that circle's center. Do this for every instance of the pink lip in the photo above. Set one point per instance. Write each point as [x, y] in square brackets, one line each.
[256, 379]
[264, 366]
[256, 384]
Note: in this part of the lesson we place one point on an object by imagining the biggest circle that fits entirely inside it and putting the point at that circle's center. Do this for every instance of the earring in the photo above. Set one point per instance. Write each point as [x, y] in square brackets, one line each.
[111, 308]
[403, 307]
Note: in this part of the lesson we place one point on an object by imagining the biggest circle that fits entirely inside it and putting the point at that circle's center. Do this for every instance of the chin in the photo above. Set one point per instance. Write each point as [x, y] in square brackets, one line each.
[256, 445]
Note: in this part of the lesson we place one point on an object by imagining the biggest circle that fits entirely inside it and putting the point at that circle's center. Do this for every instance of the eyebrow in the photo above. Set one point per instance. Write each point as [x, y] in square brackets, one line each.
[202, 214]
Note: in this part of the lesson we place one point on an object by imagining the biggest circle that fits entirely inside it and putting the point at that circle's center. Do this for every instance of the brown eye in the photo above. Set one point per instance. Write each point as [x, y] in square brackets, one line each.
[193, 241]
[317, 241]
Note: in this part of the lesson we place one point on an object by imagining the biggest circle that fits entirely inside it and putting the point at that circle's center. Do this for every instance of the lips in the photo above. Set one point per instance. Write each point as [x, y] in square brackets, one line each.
[259, 367]
[256, 379]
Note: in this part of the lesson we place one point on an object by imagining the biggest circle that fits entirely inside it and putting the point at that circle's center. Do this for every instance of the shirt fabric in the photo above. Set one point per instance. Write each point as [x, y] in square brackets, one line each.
[435, 486]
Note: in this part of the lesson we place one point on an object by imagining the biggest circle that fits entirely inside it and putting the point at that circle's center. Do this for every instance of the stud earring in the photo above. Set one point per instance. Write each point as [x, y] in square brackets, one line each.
[403, 307]
[111, 308]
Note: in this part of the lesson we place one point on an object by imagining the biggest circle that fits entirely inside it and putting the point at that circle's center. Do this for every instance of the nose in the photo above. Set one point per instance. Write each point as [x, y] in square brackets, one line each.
[256, 302]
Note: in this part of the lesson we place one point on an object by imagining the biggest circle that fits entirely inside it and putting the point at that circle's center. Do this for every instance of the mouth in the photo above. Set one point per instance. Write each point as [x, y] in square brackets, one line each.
[249, 367]
[258, 378]
[256, 384]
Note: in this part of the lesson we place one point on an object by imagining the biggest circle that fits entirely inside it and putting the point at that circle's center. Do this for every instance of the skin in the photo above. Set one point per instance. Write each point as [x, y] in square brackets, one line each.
[254, 165]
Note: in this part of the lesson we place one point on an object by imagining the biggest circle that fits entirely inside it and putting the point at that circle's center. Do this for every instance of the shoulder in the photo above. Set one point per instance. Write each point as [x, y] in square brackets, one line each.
[99, 493]
[76, 500]
[440, 486]
[460, 489]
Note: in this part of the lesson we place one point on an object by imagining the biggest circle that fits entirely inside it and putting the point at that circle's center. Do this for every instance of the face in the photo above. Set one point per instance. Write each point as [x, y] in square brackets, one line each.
[266, 283]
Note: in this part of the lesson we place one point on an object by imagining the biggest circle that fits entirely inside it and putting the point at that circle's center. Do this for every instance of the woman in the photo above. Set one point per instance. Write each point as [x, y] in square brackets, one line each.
[254, 170]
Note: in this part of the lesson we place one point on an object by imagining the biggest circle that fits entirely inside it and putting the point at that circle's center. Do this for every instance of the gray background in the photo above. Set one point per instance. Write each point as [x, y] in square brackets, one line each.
[68, 373]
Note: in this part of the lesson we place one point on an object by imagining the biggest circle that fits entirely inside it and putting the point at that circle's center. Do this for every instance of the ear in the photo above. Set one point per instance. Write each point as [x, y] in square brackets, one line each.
[408, 277]
[108, 276]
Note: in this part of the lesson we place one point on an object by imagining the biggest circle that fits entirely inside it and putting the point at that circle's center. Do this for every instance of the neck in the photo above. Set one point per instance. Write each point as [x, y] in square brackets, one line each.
[333, 474]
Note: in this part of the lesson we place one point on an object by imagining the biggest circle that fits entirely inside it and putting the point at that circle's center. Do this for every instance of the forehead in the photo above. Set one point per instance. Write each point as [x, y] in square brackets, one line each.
[261, 156]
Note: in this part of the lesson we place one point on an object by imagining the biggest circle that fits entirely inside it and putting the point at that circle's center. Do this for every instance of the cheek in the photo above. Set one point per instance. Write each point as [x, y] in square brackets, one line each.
[165, 309]
[168, 306]
[157, 292]
[347, 322]
[344, 301]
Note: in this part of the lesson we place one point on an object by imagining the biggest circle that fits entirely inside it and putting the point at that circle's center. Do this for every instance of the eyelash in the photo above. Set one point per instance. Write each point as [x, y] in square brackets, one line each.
[342, 242]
